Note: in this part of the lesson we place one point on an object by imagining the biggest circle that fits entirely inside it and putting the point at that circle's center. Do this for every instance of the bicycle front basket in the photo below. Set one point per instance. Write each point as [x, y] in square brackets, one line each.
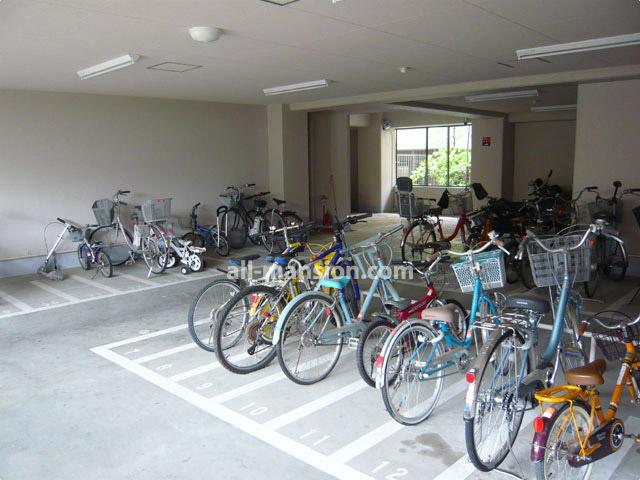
[549, 268]
[492, 271]
[606, 210]
[103, 211]
[156, 210]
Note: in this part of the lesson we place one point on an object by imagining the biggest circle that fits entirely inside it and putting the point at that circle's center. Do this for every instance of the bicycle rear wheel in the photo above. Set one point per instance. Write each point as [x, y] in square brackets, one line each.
[563, 433]
[196, 239]
[412, 376]
[370, 346]
[113, 242]
[498, 413]
[243, 335]
[415, 240]
[616, 261]
[155, 250]
[273, 242]
[84, 256]
[205, 310]
[104, 264]
[310, 344]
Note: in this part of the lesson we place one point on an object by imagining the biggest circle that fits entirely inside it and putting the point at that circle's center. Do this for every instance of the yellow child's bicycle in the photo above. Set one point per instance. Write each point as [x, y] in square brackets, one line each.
[574, 432]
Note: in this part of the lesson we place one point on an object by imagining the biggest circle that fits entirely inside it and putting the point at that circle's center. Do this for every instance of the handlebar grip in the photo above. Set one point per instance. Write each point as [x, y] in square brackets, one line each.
[229, 187]
[250, 185]
[124, 192]
[196, 205]
[632, 190]
[591, 188]
[124, 203]
[61, 220]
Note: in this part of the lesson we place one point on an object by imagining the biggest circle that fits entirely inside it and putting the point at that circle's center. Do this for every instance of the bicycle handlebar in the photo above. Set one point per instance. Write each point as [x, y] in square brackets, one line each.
[533, 237]
[618, 325]
[493, 240]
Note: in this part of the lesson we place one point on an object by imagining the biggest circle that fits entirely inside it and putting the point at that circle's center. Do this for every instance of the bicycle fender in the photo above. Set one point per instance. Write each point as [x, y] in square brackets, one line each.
[539, 442]
[290, 306]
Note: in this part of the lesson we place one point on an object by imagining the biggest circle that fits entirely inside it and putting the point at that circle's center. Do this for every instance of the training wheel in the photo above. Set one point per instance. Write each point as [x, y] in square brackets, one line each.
[185, 270]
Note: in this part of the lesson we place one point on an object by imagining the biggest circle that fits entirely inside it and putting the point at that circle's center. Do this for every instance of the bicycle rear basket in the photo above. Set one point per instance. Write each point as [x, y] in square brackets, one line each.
[230, 199]
[464, 202]
[103, 211]
[610, 342]
[156, 210]
[606, 209]
[492, 273]
[549, 268]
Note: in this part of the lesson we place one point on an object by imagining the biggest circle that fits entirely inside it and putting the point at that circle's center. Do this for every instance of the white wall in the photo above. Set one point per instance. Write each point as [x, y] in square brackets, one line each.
[486, 161]
[60, 152]
[540, 147]
[607, 145]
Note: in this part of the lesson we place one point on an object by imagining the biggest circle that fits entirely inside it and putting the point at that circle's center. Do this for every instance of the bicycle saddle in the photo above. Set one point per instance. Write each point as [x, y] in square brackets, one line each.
[590, 374]
[440, 314]
[279, 202]
[439, 245]
[243, 261]
[400, 304]
[528, 302]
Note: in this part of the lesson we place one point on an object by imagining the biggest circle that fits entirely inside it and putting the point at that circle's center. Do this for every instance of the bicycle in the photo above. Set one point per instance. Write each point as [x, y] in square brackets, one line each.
[118, 242]
[206, 235]
[419, 239]
[245, 331]
[509, 368]
[574, 433]
[419, 352]
[89, 254]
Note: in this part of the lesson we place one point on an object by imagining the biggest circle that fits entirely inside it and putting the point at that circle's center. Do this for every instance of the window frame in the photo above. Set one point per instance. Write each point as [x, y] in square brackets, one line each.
[426, 176]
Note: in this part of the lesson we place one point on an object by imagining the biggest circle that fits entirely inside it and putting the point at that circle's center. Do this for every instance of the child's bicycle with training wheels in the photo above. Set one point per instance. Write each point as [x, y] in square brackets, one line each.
[573, 432]
[90, 254]
[206, 235]
[509, 369]
[422, 352]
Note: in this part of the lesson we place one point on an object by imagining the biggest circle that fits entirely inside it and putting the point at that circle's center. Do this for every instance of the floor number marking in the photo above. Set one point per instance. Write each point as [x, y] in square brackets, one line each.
[204, 386]
[166, 366]
[309, 433]
[398, 473]
[135, 350]
[318, 442]
[380, 467]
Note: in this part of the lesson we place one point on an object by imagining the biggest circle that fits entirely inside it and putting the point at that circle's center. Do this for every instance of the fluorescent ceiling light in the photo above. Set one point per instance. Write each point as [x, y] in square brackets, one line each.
[296, 87]
[577, 47]
[108, 66]
[554, 108]
[487, 97]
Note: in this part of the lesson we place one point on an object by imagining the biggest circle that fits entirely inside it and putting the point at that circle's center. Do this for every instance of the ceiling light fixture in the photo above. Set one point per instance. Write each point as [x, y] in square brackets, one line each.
[487, 97]
[205, 34]
[296, 87]
[554, 108]
[108, 66]
[578, 47]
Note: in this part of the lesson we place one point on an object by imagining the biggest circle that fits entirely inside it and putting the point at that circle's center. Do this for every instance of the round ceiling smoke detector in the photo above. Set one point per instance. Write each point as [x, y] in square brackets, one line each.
[204, 34]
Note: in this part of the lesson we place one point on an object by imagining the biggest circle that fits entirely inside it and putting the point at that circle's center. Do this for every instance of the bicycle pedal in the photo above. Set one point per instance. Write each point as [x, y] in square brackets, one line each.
[352, 343]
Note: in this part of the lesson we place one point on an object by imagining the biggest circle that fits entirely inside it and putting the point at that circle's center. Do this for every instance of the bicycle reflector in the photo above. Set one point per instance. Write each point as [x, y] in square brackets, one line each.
[379, 361]
[538, 424]
[471, 376]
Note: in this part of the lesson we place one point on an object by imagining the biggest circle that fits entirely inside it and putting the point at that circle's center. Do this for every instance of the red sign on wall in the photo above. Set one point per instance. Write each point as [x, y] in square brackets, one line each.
[486, 141]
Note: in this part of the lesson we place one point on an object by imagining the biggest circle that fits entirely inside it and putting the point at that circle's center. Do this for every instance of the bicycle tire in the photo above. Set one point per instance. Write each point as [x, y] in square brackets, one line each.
[597, 260]
[193, 318]
[366, 363]
[526, 275]
[221, 246]
[226, 315]
[155, 250]
[118, 249]
[105, 264]
[289, 327]
[196, 239]
[483, 361]
[83, 256]
[409, 247]
[273, 243]
[394, 372]
[616, 263]
[558, 417]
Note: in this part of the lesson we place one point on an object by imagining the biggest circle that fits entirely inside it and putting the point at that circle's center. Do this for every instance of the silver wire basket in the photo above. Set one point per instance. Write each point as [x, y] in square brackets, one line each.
[156, 210]
[549, 268]
[492, 271]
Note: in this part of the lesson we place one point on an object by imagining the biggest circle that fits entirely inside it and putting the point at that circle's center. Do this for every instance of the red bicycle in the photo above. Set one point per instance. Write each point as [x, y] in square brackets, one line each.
[374, 337]
[419, 240]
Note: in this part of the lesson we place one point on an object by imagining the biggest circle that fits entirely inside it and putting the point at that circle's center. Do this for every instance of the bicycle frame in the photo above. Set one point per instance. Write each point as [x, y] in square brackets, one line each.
[460, 228]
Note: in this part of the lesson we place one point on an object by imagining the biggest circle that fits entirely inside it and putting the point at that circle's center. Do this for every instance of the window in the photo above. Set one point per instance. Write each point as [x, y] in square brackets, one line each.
[435, 156]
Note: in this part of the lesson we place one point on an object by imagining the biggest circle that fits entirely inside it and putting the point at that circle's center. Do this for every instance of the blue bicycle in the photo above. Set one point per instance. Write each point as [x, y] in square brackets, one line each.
[206, 235]
[422, 352]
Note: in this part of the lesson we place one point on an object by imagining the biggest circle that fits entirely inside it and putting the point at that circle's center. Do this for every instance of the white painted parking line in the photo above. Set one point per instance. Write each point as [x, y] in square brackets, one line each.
[238, 420]
[195, 371]
[139, 279]
[314, 406]
[463, 467]
[55, 291]
[165, 353]
[364, 443]
[20, 305]
[95, 284]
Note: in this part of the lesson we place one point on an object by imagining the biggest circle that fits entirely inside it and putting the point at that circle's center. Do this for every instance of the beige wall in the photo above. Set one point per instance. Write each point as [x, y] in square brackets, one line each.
[486, 162]
[60, 152]
[540, 147]
[607, 145]
[369, 165]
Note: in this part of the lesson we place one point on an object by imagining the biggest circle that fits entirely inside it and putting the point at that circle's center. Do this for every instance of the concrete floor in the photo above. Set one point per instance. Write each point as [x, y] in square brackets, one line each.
[100, 380]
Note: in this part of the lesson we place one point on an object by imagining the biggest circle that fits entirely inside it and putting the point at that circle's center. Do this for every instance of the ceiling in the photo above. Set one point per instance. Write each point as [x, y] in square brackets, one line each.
[358, 44]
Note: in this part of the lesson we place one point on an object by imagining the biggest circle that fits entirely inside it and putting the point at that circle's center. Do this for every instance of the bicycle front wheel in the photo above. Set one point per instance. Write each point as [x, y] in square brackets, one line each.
[563, 433]
[243, 335]
[114, 241]
[310, 343]
[498, 413]
[412, 374]
[206, 308]
[616, 261]
[84, 256]
[415, 240]
[155, 250]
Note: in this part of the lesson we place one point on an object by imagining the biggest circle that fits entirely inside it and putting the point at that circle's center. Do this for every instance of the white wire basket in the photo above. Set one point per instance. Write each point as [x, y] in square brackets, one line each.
[230, 199]
[492, 271]
[603, 207]
[463, 202]
[156, 210]
[549, 268]
[103, 211]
